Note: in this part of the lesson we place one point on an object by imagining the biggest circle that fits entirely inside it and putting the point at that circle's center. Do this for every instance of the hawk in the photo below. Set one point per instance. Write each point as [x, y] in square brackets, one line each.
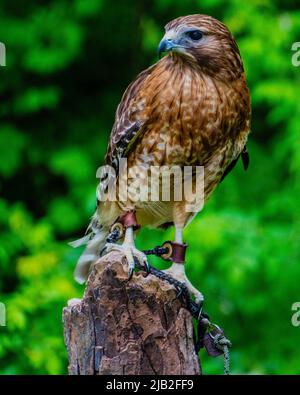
[191, 108]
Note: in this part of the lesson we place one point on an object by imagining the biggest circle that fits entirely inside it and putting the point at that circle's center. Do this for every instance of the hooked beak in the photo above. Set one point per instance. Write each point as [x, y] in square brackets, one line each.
[166, 45]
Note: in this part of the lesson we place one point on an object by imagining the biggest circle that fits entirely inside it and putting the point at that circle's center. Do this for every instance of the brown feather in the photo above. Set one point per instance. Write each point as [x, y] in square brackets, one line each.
[186, 110]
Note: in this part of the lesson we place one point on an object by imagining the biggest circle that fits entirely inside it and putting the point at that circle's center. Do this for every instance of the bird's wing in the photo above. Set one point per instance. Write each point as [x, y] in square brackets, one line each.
[129, 122]
[245, 159]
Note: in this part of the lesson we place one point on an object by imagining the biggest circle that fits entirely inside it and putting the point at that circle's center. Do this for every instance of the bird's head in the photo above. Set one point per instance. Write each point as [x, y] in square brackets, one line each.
[205, 41]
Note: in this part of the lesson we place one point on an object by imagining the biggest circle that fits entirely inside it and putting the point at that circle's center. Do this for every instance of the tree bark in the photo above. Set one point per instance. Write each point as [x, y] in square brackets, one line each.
[128, 327]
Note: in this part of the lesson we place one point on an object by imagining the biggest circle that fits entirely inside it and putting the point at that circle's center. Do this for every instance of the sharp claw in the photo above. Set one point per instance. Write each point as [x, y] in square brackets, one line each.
[146, 266]
[130, 273]
[180, 293]
[136, 262]
[103, 251]
[107, 248]
[199, 300]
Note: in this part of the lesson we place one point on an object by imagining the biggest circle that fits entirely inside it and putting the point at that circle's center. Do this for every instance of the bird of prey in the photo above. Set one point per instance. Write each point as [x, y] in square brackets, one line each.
[191, 108]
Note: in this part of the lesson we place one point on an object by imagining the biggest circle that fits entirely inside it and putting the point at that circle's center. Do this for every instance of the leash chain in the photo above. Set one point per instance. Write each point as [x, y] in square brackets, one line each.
[215, 345]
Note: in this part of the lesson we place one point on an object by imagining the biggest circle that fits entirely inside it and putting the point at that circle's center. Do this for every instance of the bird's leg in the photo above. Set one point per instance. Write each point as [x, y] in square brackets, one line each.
[178, 235]
[130, 251]
[177, 270]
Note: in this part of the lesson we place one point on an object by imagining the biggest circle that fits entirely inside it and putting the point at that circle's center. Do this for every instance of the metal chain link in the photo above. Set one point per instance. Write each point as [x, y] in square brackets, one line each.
[220, 341]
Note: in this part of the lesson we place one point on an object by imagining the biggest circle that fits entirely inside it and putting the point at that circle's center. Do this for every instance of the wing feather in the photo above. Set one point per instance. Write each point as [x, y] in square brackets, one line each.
[129, 121]
[245, 159]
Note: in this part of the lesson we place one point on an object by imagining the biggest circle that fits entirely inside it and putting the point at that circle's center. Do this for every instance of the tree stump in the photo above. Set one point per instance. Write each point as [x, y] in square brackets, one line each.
[135, 327]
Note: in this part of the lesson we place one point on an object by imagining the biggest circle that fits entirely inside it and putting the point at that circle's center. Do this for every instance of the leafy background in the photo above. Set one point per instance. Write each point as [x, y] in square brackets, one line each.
[67, 66]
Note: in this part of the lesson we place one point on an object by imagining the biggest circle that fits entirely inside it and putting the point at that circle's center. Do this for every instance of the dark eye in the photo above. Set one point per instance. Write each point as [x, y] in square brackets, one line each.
[195, 35]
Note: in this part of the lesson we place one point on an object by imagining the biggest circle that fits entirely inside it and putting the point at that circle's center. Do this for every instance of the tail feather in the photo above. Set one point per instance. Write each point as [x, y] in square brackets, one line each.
[84, 240]
[94, 244]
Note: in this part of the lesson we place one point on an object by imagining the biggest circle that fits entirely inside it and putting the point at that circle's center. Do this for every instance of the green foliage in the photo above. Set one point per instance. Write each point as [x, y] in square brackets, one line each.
[67, 66]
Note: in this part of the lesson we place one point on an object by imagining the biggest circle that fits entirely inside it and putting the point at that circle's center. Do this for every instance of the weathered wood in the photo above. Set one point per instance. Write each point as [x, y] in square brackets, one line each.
[128, 327]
